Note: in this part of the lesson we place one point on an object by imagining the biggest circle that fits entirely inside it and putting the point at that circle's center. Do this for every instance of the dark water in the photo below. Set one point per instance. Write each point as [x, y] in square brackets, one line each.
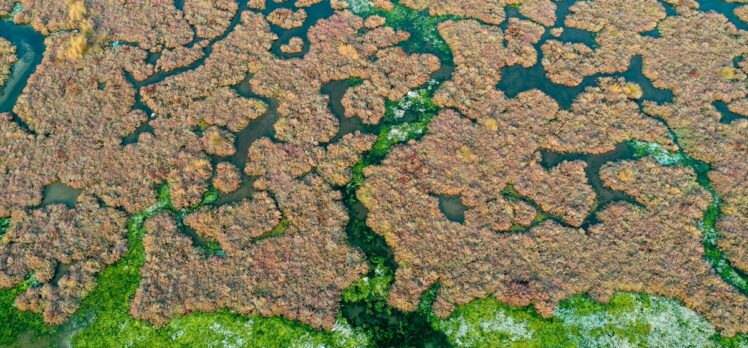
[314, 13]
[374, 316]
[133, 137]
[516, 79]
[335, 91]
[30, 51]
[727, 116]
[61, 270]
[262, 127]
[452, 208]
[604, 195]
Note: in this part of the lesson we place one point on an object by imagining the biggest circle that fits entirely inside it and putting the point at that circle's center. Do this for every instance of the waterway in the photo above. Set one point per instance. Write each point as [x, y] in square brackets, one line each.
[30, 51]
[375, 315]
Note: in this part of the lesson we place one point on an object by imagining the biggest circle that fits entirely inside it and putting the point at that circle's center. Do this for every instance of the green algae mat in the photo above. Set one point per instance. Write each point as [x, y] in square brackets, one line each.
[374, 173]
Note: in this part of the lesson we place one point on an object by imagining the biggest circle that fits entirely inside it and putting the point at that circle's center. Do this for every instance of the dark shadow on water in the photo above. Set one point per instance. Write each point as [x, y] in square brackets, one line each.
[60, 271]
[59, 193]
[452, 208]
[604, 195]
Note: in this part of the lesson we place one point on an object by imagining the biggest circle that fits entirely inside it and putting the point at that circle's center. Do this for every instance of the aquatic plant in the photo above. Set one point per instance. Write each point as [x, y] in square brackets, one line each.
[627, 320]
[708, 224]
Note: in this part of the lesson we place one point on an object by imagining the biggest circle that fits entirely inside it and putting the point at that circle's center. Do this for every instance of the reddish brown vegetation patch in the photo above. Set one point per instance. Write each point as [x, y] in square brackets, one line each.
[7, 58]
[84, 239]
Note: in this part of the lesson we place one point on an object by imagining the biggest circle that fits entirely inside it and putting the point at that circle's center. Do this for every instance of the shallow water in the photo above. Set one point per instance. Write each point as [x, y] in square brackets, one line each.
[727, 116]
[30, 51]
[452, 208]
[725, 8]
[335, 91]
[604, 195]
[514, 80]
[59, 193]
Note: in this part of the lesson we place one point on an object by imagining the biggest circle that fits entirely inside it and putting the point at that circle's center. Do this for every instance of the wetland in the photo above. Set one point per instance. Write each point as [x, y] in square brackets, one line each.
[390, 183]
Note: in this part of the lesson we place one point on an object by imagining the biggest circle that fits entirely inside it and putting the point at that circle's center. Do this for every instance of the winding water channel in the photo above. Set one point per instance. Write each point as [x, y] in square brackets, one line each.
[30, 51]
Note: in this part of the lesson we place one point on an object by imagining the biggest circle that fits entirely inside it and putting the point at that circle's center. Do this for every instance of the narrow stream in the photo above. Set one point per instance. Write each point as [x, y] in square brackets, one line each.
[30, 51]
[375, 315]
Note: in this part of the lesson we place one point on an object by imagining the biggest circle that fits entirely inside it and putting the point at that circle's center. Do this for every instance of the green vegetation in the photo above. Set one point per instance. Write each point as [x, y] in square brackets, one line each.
[103, 319]
[365, 303]
[371, 287]
[708, 224]
[628, 320]
[4, 224]
[106, 322]
[14, 322]
[423, 29]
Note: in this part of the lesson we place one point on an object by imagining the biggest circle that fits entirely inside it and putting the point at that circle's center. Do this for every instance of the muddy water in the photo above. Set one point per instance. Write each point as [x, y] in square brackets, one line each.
[59, 193]
[452, 208]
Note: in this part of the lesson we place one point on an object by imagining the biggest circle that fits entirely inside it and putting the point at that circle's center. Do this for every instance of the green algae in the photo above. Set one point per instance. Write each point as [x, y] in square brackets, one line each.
[374, 286]
[4, 225]
[14, 322]
[364, 303]
[104, 318]
[423, 29]
[708, 223]
[627, 320]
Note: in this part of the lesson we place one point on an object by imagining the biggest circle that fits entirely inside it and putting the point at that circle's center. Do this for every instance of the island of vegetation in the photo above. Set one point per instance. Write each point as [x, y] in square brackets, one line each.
[354, 173]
